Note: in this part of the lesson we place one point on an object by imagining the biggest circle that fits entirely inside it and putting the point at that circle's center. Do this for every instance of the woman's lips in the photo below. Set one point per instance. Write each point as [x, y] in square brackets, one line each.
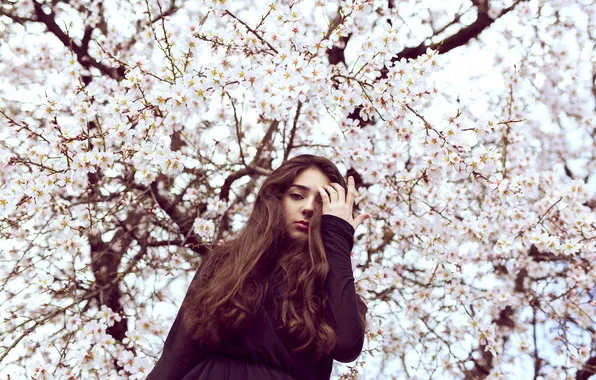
[301, 226]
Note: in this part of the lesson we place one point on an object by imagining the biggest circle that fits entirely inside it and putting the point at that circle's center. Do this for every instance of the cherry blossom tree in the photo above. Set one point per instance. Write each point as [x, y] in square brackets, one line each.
[134, 134]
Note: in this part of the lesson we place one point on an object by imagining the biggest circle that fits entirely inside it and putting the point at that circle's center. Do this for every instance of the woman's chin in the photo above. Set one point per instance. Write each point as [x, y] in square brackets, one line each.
[292, 237]
[299, 234]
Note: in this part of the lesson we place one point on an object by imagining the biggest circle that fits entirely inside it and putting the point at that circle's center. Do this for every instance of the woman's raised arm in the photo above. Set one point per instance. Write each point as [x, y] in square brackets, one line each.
[338, 240]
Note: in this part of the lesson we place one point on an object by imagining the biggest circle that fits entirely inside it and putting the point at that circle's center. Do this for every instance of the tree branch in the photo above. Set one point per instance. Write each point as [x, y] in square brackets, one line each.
[184, 222]
[462, 37]
[292, 132]
[81, 51]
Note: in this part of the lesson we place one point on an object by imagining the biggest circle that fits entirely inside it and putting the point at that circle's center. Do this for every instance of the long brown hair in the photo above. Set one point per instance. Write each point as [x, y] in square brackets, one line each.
[232, 282]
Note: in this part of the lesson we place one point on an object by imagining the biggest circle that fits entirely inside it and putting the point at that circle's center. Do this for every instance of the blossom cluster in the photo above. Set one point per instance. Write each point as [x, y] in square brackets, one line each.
[118, 146]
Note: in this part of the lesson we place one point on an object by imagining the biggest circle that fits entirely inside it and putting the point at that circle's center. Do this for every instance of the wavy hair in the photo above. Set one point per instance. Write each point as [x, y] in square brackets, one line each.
[233, 279]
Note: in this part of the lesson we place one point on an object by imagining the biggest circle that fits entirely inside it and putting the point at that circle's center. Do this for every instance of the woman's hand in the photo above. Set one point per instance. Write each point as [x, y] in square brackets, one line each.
[336, 202]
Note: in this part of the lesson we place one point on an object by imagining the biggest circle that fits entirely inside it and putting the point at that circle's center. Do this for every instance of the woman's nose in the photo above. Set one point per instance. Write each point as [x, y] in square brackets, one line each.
[309, 206]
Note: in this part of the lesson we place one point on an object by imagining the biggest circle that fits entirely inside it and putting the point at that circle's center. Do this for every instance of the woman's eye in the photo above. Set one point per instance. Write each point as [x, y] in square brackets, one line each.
[298, 197]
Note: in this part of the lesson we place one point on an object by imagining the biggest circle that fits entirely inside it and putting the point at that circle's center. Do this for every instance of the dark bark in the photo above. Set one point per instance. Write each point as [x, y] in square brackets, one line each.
[482, 366]
[105, 263]
[81, 51]
[336, 53]
[460, 38]
[184, 221]
[588, 370]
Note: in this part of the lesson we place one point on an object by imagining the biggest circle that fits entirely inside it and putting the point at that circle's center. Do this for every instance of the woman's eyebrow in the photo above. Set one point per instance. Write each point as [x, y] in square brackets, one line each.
[301, 186]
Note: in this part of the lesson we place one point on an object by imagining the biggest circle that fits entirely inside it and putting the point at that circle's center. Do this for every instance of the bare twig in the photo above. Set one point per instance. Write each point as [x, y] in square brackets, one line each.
[252, 31]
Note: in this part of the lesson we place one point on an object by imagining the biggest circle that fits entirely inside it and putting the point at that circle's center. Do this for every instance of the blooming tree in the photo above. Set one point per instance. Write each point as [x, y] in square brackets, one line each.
[135, 133]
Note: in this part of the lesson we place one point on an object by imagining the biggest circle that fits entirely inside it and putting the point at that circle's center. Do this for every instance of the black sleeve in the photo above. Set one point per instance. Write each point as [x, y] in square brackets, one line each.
[180, 353]
[338, 240]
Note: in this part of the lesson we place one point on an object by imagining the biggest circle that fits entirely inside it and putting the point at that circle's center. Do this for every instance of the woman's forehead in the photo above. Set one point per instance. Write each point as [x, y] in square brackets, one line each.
[310, 180]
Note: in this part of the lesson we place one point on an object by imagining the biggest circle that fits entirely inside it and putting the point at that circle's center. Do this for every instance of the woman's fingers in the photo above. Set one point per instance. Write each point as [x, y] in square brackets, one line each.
[324, 196]
[351, 192]
[333, 196]
[360, 218]
[341, 193]
[335, 193]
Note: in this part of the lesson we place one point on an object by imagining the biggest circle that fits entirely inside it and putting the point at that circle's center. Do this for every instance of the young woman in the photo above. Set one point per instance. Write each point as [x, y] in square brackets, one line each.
[277, 301]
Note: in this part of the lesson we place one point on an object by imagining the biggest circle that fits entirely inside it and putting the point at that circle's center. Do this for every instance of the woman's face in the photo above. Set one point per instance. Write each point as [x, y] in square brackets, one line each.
[300, 201]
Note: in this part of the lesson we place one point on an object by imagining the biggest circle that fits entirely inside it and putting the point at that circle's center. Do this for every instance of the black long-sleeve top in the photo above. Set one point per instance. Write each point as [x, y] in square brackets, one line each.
[259, 352]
